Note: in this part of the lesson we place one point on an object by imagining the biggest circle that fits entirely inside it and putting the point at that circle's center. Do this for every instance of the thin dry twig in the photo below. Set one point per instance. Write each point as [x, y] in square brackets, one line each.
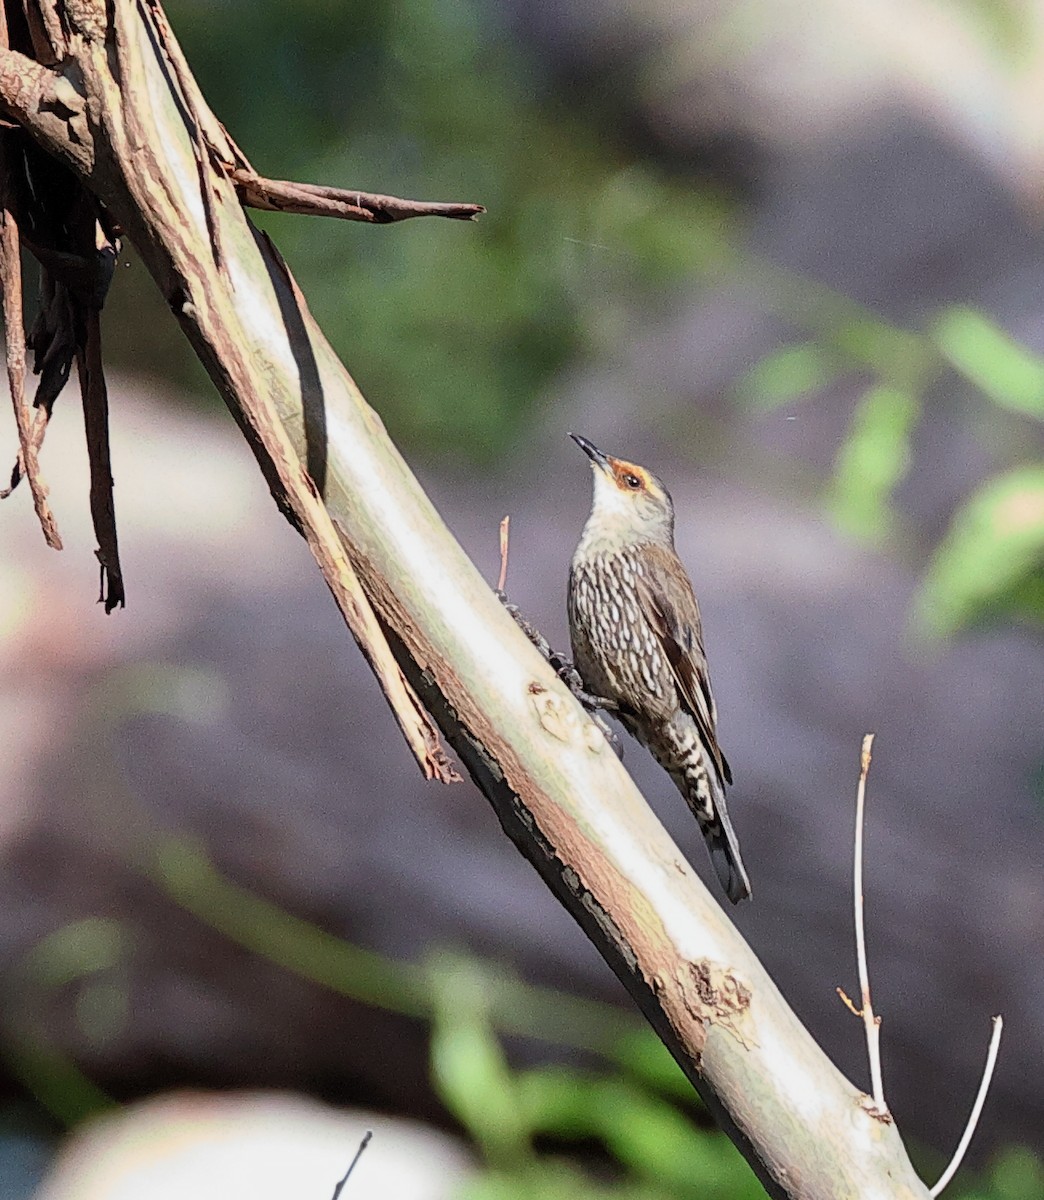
[505, 530]
[872, 1023]
[351, 1166]
[976, 1112]
[28, 462]
[14, 327]
[53, 344]
[317, 200]
[275, 195]
[96, 421]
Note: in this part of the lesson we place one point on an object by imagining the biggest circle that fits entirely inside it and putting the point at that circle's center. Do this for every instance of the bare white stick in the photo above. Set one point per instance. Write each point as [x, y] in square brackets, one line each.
[973, 1119]
[873, 1024]
[505, 526]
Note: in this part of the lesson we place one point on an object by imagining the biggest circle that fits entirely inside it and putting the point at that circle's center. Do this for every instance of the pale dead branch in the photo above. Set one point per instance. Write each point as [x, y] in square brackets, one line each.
[505, 531]
[871, 1023]
[976, 1112]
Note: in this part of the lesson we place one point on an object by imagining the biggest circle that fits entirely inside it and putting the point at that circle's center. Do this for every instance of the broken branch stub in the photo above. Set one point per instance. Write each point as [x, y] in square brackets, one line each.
[309, 199]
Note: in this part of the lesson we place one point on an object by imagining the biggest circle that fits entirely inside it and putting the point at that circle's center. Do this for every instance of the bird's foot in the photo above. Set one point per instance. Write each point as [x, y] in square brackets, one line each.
[571, 678]
[568, 674]
[595, 705]
[608, 731]
[534, 634]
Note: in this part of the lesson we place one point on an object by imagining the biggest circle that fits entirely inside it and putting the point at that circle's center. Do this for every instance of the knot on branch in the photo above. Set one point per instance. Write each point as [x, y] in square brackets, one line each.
[714, 995]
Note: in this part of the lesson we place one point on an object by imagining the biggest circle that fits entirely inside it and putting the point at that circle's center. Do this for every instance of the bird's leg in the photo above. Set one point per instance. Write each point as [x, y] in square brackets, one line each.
[534, 635]
[568, 674]
[607, 730]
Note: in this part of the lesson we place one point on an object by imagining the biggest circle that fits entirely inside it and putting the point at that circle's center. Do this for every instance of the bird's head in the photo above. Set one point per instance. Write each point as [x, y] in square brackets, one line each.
[629, 501]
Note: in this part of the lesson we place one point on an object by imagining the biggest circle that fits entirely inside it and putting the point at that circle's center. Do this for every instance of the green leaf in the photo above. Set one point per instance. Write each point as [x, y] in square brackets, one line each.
[787, 374]
[653, 1139]
[994, 542]
[662, 1145]
[892, 353]
[873, 460]
[1008, 373]
[468, 1067]
[76, 949]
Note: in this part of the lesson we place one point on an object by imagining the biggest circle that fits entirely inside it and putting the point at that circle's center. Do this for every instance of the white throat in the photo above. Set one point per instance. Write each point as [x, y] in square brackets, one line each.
[619, 519]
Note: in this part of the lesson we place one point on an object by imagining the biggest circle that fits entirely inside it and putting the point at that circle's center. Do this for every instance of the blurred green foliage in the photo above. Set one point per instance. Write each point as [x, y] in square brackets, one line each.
[656, 1149]
[457, 330]
[1008, 374]
[628, 1128]
[454, 329]
[88, 955]
[655, 1142]
[991, 558]
[873, 460]
[787, 374]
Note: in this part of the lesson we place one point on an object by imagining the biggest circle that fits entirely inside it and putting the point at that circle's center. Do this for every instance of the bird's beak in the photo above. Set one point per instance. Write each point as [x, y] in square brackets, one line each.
[591, 450]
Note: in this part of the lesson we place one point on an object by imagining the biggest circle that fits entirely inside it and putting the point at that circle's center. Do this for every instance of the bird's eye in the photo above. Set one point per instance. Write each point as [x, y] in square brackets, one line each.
[632, 481]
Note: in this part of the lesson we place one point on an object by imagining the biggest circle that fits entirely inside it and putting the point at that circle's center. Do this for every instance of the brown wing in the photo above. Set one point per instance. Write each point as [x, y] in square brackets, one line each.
[668, 603]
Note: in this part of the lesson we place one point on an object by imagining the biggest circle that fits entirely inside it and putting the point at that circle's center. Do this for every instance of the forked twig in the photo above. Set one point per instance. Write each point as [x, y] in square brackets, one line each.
[871, 1023]
[976, 1112]
[351, 1166]
[878, 1108]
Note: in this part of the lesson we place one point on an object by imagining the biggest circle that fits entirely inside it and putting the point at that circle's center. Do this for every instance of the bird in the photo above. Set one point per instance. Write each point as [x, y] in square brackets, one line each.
[637, 642]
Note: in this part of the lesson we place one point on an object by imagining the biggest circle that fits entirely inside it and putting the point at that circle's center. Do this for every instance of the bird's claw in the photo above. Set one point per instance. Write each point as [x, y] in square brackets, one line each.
[610, 735]
[534, 635]
[594, 705]
[568, 674]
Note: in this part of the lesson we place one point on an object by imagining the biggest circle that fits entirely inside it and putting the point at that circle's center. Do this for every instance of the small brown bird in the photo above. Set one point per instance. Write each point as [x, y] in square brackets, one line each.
[637, 643]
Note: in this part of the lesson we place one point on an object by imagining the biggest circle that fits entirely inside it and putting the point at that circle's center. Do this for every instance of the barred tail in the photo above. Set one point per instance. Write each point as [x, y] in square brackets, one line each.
[725, 855]
[706, 798]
